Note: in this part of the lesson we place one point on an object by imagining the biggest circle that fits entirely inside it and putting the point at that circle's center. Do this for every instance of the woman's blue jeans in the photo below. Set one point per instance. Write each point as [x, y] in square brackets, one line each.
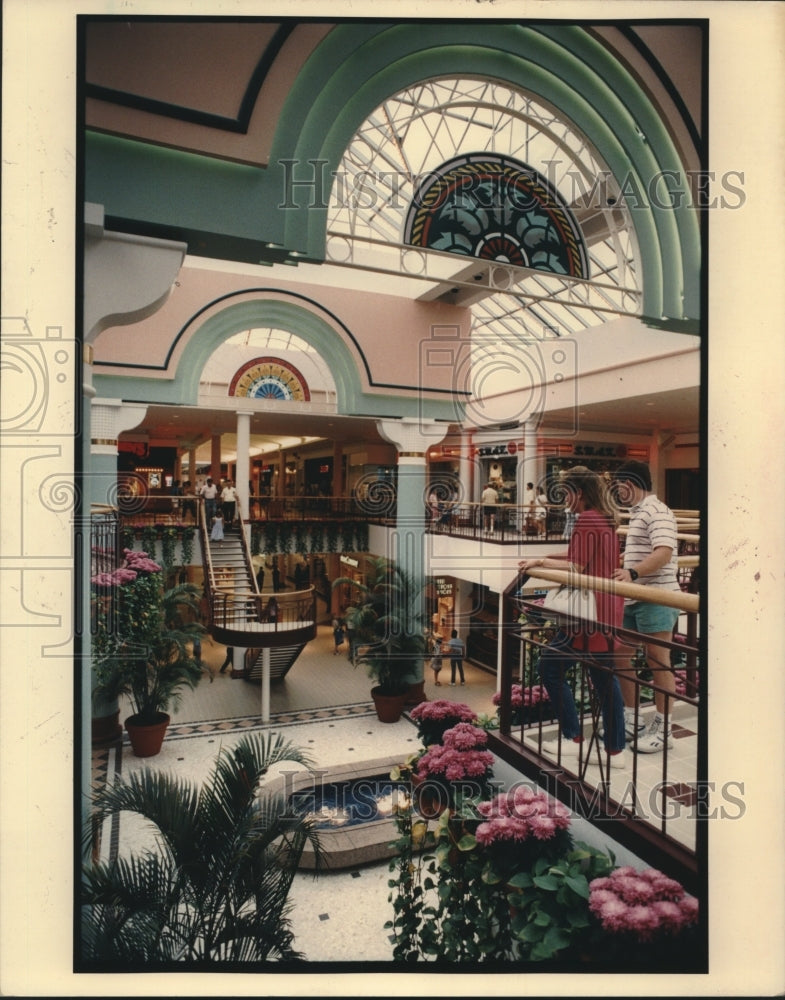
[555, 659]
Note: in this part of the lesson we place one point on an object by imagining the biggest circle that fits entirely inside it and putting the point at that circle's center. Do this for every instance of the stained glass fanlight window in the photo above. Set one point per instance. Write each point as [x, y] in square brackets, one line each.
[495, 208]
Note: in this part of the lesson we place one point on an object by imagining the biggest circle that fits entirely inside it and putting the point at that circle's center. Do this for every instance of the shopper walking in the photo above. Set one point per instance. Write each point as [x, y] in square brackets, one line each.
[455, 650]
[229, 502]
[209, 493]
[436, 659]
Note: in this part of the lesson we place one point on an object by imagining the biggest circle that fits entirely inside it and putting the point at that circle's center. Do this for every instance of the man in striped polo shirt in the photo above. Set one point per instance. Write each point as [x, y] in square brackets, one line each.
[650, 558]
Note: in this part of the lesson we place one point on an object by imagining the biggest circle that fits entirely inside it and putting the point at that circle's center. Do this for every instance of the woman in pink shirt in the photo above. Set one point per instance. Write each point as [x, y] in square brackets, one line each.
[593, 550]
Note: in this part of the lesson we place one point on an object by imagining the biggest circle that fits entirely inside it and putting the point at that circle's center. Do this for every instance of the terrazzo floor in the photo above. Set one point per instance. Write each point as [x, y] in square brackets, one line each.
[323, 706]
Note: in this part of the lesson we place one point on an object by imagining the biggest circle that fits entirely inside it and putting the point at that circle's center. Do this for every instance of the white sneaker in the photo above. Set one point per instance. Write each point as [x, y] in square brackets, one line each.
[617, 759]
[633, 732]
[630, 733]
[569, 748]
[654, 739]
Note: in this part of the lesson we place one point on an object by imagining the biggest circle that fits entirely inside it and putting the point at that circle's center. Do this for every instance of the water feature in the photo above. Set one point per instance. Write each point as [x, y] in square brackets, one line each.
[337, 804]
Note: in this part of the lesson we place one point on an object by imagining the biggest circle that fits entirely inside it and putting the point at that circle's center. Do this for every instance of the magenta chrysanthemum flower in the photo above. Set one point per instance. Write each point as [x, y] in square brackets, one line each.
[464, 736]
[612, 914]
[542, 827]
[442, 709]
[522, 813]
[669, 914]
[140, 561]
[454, 764]
[642, 903]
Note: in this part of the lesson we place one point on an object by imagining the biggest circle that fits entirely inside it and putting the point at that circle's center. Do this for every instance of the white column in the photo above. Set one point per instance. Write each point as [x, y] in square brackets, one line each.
[466, 466]
[265, 685]
[530, 464]
[215, 457]
[243, 463]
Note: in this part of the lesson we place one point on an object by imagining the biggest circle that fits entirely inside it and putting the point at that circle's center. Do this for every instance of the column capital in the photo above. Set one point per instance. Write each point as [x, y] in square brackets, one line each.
[108, 419]
[412, 437]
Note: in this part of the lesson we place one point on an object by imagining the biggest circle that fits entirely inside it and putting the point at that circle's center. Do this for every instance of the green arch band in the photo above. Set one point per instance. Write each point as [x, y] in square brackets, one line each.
[562, 65]
[317, 331]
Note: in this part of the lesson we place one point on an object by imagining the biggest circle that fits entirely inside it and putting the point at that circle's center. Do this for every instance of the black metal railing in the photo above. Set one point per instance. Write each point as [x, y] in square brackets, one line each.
[653, 804]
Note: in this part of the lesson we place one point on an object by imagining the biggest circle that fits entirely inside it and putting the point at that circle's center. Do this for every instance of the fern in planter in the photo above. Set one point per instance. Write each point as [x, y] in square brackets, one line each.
[361, 537]
[389, 621]
[347, 536]
[285, 537]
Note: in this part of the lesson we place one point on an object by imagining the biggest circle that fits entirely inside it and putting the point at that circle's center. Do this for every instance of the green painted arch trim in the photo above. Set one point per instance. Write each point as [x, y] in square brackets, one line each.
[563, 65]
[321, 330]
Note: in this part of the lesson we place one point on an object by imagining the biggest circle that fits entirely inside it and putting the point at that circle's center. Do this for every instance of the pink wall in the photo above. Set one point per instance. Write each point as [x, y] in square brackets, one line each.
[396, 335]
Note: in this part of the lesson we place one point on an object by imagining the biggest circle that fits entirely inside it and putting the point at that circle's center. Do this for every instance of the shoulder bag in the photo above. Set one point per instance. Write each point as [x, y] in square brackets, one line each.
[575, 602]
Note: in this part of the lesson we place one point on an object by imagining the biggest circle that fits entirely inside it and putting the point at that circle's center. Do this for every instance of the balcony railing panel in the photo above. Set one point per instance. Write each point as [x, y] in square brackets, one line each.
[653, 803]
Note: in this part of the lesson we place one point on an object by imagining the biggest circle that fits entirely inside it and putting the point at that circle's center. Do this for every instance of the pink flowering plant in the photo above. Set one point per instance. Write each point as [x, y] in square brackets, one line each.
[641, 906]
[143, 637]
[528, 703]
[461, 754]
[434, 718]
[521, 825]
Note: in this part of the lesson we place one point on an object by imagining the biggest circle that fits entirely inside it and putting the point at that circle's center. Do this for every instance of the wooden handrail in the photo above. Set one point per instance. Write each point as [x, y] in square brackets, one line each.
[635, 591]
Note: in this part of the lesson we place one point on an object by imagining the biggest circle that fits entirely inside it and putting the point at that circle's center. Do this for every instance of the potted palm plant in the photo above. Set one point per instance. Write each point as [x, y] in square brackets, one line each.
[143, 645]
[211, 883]
[388, 624]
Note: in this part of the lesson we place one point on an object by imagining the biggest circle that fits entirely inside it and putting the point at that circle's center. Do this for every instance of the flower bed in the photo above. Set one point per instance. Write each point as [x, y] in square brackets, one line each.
[434, 718]
[529, 704]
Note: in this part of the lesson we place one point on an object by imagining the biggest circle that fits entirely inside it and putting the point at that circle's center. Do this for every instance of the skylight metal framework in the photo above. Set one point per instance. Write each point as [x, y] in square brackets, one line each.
[417, 131]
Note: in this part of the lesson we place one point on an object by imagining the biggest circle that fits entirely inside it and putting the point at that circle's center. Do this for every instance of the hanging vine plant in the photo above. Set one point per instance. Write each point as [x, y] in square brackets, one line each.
[127, 536]
[187, 545]
[332, 537]
[317, 539]
[256, 540]
[347, 536]
[361, 536]
[270, 538]
[301, 539]
[150, 538]
[168, 546]
[285, 537]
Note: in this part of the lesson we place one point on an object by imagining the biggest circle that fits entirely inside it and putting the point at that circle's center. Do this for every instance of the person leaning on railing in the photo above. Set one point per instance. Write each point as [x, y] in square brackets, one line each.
[594, 550]
[650, 559]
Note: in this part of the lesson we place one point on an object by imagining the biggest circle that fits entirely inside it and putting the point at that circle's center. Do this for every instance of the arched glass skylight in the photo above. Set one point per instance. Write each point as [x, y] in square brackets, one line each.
[413, 135]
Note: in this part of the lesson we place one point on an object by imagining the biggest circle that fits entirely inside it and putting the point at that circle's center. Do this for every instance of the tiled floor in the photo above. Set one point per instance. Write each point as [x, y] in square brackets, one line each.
[323, 706]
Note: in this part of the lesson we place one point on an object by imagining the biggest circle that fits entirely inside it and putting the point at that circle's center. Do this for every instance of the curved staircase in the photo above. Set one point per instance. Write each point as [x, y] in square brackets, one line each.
[239, 615]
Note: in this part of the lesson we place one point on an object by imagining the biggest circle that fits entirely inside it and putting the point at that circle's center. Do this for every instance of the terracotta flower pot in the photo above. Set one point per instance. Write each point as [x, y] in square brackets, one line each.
[389, 707]
[147, 738]
[416, 693]
[106, 729]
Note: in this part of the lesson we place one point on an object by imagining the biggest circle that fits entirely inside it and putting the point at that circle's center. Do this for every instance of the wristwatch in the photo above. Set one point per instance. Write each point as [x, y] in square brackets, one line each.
[633, 574]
